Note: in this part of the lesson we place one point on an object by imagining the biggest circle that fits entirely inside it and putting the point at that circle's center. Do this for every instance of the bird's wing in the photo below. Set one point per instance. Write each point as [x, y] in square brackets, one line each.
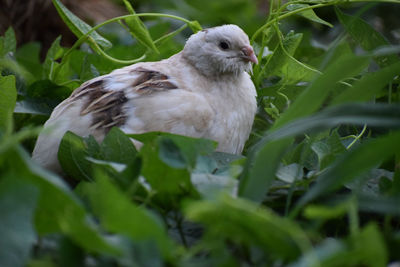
[142, 99]
[136, 99]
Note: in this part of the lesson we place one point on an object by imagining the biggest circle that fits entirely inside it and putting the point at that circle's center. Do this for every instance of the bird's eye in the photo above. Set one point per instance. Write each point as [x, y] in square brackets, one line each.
[224, 45]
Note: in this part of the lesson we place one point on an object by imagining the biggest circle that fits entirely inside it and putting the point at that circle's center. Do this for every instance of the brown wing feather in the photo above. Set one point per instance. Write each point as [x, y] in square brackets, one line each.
[106, 106]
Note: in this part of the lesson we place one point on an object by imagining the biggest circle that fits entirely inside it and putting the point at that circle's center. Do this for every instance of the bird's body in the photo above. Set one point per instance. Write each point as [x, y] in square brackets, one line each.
[192, 93]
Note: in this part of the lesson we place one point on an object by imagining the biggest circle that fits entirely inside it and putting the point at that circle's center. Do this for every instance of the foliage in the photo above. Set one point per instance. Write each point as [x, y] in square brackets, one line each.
[319, 184]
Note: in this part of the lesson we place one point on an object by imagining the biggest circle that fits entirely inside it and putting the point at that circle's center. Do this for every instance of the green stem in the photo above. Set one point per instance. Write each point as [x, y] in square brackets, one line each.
[171, 34]
[84, 37]
[353, 217]
[357, 137]
[119, 61]
[288, 14]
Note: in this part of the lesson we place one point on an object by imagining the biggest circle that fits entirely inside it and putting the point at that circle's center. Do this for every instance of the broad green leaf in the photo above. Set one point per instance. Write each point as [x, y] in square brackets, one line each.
[369, 248]
[239, 220]
[88, 70]
[335, 148]
[313, 97]
[58, 210]
[368, 38]
[369, 85]
[41, 97]
[163, 177]
[187, 148]
[79, 27]
[117, 147]
[18, 201]
[138, 29]
[28, 57]
[183, 150]
[364, 249]
[308, 14]
[9, 42]
[296, 71]
[264, 158]
[279, 59]
[72, 157]
[365, 157]
[290, 173]
[119, 215]
[260, 169]
[8, 98]
[54, 53]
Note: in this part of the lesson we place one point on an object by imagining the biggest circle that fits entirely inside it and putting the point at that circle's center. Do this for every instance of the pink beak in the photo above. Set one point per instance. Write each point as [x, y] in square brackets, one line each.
[249, 55]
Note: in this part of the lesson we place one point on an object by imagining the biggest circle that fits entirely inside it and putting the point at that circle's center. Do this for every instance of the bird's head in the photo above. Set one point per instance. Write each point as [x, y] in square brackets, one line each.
[220, 50]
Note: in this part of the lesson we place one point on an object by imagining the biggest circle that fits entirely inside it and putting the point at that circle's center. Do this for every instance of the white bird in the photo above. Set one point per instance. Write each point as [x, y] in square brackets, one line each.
[203, 91]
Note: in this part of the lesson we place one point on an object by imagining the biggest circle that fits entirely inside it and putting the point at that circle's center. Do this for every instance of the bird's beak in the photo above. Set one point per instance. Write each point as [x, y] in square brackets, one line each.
[248, 54]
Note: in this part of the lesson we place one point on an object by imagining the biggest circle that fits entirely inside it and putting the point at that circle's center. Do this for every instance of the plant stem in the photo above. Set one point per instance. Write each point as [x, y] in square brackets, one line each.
[353, 217]
[357, 137]
[120, 61]
[288, 14]
[116, 19]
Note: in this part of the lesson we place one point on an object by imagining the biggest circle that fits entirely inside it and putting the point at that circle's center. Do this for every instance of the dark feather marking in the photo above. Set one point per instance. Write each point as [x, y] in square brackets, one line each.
[151, 80]
[87, 88]
[97, 83]
[105, 107]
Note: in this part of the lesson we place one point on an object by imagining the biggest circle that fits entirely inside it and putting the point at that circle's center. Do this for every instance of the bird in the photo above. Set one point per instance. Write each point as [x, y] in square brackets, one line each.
[203, 91]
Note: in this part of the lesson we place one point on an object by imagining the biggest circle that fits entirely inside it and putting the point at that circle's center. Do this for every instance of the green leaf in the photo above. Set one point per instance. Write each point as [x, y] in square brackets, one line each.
[366, 36]
[313, 97]
[79, 27]
[138, 29]
[369, 248]
[241, 221]
[195, 26]
[117, 147]
[260, 169]
[58, 210]
[8, 98]
[72, 155]
[264, 158]
[9, 42]
[379, 115]
[28, 57]
[308, 14]
[369, 85]
[290, 173]
[88, 70]
[18, 201]
[365, 157]
[187, 148]
[163, 177]
[119, 215]
[55, 52]
[379, 204]
[279, 59]
[325, 212]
